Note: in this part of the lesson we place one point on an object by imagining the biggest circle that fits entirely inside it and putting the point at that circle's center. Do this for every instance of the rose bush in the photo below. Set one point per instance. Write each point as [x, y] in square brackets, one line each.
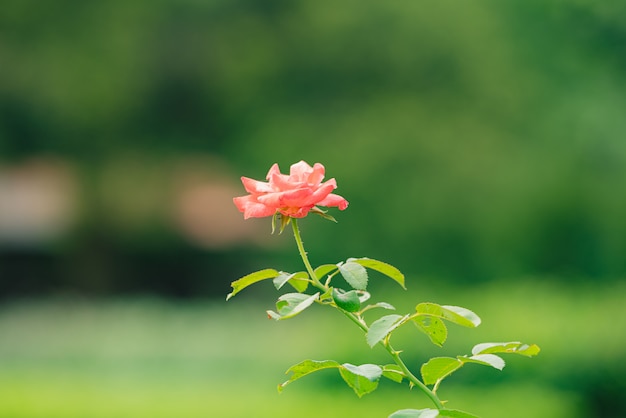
[292, 195]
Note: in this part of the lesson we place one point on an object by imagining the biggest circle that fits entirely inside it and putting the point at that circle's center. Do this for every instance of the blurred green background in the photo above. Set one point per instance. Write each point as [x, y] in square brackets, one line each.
[481, 146]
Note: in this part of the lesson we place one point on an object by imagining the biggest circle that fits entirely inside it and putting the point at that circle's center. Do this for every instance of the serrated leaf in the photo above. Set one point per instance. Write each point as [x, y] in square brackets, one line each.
[300, 283]
[393, 372]
[454, 314]
[327, 296]
[383, 305]
[461, 316]
[324, 269]
[245, 281]
[509, 347]
[291, 304]
[381, 267]
[355, 274]
[359, 377]
[281, 279]
[381, 328]
[432, 326]
[307, 367]
[348, 301]
[415, 413]
[453, 413]
[485, 359]
[438, 368]
[297, 280]
[369, 371]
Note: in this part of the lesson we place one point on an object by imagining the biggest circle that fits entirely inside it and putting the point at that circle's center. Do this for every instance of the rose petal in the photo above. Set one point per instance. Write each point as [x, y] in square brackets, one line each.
[293, 195]
[321, 192]
[300, 172]
[290, 198]
[241, 202]
[251, 208]
[334, 200]
[317, 175]
[255, 186]
[283, 182]
[274, 169]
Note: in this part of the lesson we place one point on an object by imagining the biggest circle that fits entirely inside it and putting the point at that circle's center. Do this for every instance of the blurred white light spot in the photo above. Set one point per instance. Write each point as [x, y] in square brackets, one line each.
[37, 202]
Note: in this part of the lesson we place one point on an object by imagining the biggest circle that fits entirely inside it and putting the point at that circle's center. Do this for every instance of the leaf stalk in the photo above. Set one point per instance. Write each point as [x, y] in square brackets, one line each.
[395, 355]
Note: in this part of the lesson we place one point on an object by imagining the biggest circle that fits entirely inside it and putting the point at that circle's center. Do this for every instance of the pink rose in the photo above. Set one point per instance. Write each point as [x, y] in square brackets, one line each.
[292, 195]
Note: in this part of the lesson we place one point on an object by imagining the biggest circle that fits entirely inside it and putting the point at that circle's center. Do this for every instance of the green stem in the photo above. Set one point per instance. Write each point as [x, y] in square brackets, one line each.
[303, 255]
[354, 318]
[396, 358]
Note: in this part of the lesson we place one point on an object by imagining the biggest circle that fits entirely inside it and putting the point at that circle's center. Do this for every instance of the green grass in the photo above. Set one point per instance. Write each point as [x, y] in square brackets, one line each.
[151, 358]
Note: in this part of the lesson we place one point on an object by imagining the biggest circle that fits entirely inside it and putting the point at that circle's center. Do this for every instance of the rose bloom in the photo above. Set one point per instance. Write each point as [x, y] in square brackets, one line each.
[292, 195]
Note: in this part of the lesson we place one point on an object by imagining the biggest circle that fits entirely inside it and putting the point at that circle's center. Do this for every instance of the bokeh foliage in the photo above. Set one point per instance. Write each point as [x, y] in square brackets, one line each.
[479, 141]
[147, 357]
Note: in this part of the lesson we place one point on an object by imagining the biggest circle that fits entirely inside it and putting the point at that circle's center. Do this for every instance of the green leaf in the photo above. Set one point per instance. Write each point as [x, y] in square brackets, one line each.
[485, 359]
[245, 281]
[382, 327]
[454, 314]
[363, 296]
[510, 347]
[306, 367]
[348, 301]
[432, 326]
[393, 372]
[415, 413]
[300, 283]
[362, 379]
[323, 270]
[383, 305]
[291, 304]
[381, 267]
[297, 280]
[327, 296]
[461, 316]
[354, 273]
[453, 413]
[438, 368]
[369, 371]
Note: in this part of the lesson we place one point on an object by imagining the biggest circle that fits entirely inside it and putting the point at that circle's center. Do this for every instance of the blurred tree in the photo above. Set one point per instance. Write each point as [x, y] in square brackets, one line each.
[477, 142]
